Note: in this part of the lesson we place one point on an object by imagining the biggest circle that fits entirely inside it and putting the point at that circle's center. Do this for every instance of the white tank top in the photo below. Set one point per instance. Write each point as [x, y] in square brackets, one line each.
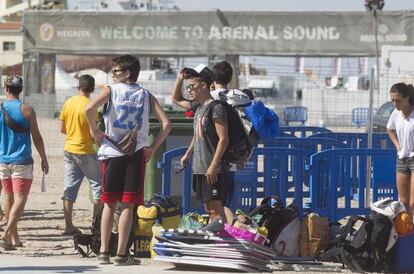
[128, 106]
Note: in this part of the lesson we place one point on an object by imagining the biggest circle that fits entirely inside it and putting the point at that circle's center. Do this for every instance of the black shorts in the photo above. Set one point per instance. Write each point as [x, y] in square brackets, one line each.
[206, 192]
[123, 179]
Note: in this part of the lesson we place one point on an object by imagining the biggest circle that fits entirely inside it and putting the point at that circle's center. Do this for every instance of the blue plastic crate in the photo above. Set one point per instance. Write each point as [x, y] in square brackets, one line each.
[403, 256]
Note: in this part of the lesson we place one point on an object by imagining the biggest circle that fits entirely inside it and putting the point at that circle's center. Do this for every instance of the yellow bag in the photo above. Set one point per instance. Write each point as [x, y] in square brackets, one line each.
[159, 207]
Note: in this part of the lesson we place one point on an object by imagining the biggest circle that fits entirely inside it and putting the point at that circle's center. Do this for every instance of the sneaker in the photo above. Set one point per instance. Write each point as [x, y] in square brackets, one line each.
[121, 259]
[103, 258]
[214, 227]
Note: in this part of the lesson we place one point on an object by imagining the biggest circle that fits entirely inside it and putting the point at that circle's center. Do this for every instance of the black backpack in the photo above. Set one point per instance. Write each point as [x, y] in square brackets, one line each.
[362, 249]
[92, 241]
[273, 216]
[240, 149]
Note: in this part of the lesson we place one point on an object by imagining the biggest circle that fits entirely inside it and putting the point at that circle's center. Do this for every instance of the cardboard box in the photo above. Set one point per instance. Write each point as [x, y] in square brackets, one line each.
[309, 248]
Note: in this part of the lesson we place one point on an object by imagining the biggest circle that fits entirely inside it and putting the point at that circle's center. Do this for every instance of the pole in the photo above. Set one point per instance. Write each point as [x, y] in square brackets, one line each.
[375, 13]
[369, 141]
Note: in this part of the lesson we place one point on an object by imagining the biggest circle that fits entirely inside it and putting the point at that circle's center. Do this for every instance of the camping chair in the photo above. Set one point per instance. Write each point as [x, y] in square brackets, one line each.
[295, 114]
[360, 116]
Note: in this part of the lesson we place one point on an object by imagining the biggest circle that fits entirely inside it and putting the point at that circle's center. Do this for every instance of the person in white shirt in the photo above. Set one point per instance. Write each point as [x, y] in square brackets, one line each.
[128, 106]
[400, 129]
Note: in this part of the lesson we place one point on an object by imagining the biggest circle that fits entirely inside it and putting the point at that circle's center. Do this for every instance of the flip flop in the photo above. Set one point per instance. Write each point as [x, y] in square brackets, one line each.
[6, 246]
[19, 244]
[72, 232]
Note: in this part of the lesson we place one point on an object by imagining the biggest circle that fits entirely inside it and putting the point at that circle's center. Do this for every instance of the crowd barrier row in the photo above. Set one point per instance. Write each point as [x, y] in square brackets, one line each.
[323, 172]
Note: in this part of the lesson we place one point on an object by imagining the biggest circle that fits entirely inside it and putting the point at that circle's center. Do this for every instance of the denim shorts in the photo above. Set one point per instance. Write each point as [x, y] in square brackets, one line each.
[405, 165]
[78, 166]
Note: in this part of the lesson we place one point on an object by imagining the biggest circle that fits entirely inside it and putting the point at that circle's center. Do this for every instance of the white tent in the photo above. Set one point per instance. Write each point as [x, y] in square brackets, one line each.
[101, 77]
[64, 81]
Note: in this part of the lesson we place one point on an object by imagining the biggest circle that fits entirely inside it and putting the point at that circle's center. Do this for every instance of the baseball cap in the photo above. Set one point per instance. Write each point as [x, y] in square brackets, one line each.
[201, 71]
[13, 81]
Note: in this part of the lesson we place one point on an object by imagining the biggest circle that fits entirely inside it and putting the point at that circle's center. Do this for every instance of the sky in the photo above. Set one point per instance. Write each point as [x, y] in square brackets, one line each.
[288, 5]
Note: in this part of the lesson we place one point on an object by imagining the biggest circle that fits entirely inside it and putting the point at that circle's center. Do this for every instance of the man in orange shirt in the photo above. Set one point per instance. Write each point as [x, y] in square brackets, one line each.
[79, 152]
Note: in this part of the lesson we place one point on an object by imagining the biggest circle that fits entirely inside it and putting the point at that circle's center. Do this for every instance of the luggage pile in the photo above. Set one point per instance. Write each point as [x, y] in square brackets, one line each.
[382, 242]
[273, 237]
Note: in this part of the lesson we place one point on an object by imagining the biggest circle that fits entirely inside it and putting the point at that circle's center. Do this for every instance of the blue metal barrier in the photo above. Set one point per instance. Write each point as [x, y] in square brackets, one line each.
[301, 131]
[360, 140]
[309, 146]
[257, 180]
[330, 171]
[313, 145]
[357, 140]
[275, 180]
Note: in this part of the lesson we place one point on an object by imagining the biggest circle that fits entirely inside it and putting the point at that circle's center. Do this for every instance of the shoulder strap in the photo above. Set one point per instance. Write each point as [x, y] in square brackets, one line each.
[108, 104]
[13, 125]
[223, 94]
[208, 112]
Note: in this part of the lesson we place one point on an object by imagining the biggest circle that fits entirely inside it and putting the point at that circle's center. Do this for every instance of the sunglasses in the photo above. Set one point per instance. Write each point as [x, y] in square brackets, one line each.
[118, 70]
[190, 87]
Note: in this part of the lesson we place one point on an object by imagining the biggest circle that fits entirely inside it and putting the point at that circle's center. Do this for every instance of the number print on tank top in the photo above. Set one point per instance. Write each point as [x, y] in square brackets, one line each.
[130, 116]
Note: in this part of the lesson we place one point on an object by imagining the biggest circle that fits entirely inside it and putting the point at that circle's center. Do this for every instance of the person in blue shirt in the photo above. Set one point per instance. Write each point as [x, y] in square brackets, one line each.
[18, 125]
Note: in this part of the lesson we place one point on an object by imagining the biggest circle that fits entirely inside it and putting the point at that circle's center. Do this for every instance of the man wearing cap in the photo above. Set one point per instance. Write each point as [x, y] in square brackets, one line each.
[210, 172]
[17, 124]
[222, 74]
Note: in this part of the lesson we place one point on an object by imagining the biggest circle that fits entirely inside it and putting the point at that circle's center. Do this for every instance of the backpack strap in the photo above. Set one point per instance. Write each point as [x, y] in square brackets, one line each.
[13, 125]
[207, 132]
[264, 204]
[266, 200]
[223, 94]
[348, 227]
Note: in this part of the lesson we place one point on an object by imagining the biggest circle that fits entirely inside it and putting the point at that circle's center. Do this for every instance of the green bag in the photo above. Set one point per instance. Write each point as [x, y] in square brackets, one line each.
[193, 221]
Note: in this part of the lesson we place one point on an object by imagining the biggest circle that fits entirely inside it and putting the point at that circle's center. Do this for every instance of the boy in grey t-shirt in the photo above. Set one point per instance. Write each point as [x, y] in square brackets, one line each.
[210, 172]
